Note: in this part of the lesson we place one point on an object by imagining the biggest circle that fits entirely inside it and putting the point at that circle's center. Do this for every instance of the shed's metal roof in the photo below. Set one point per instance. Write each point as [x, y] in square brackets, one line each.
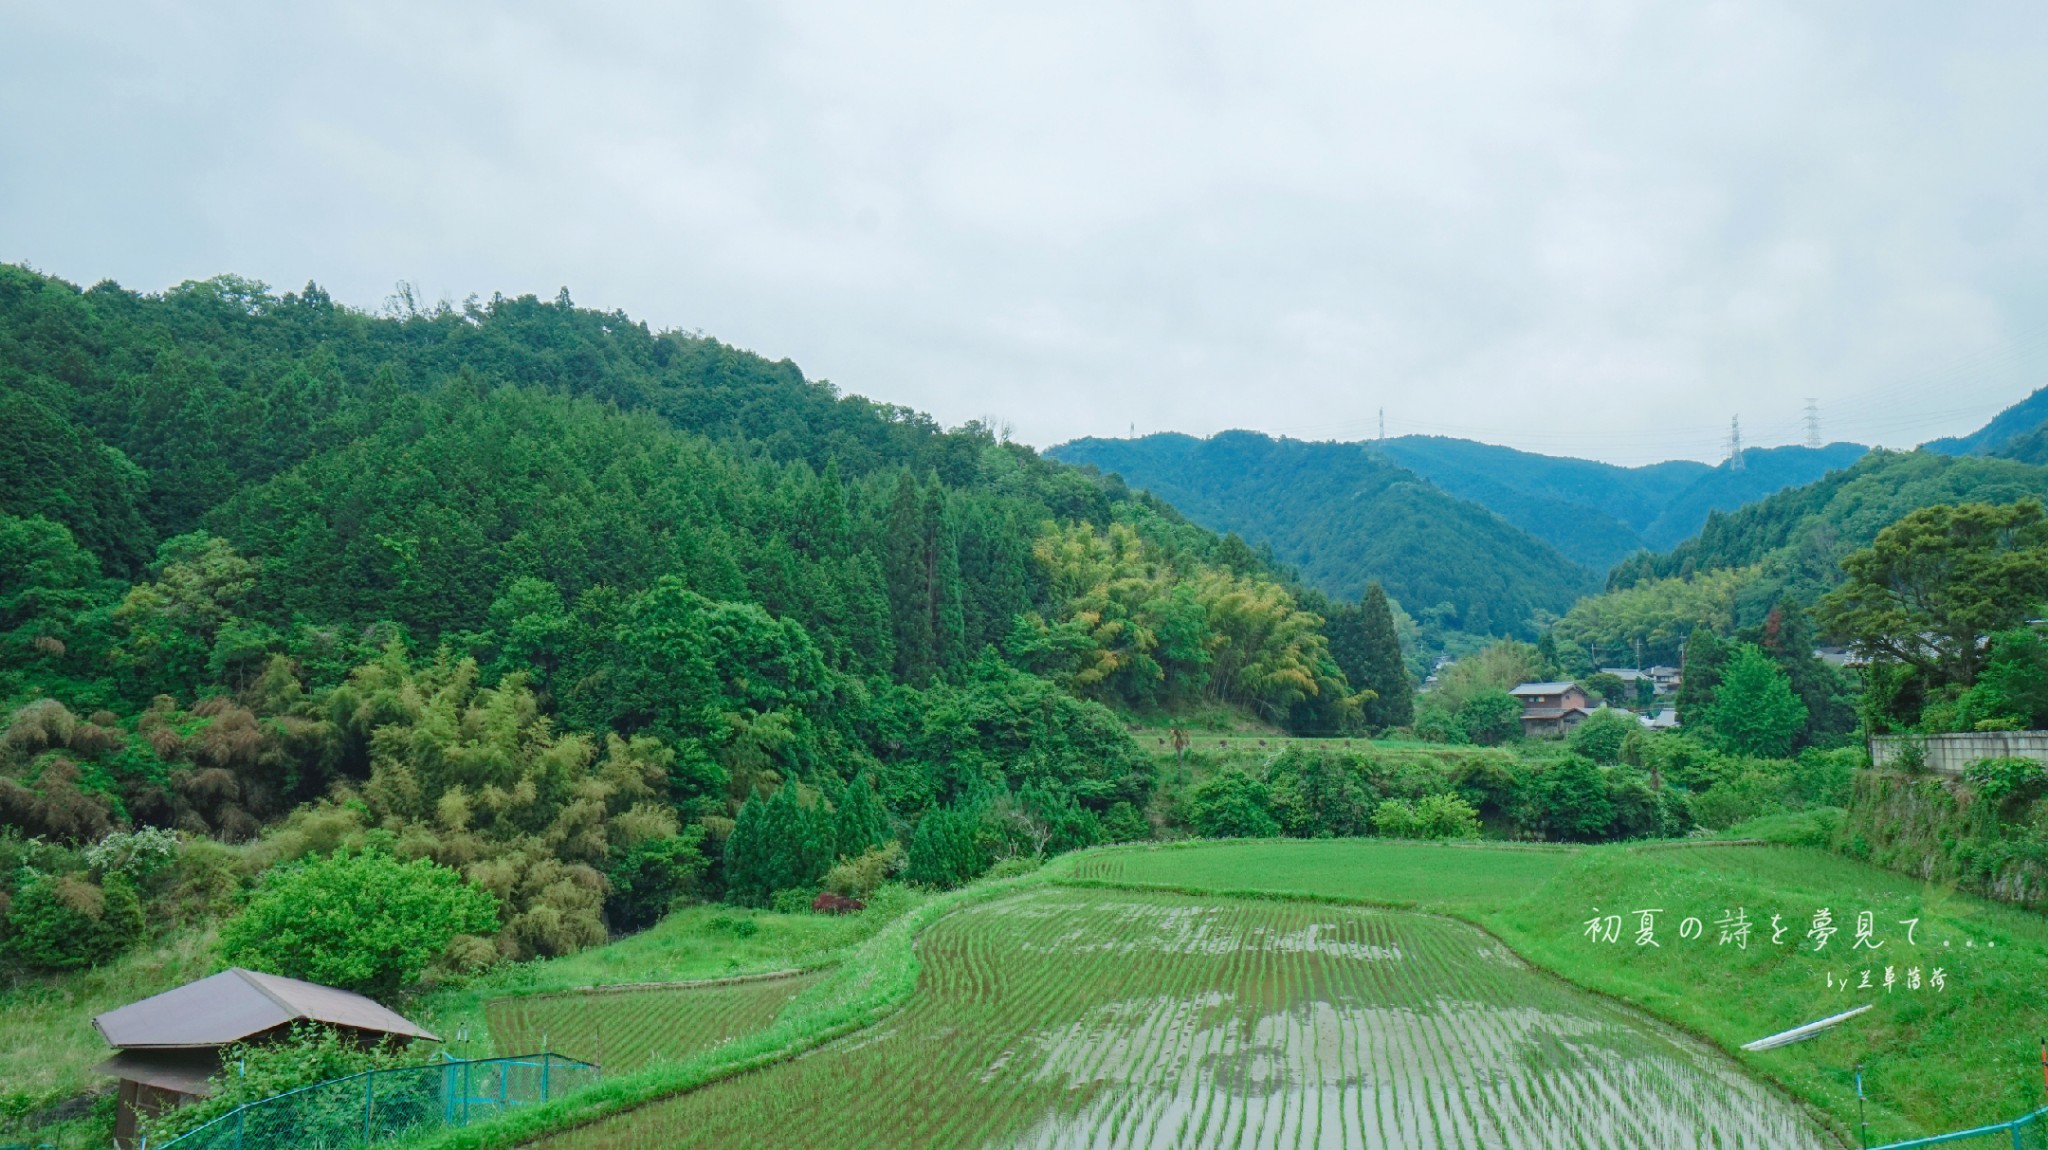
[1542, 688]
[236, 1004]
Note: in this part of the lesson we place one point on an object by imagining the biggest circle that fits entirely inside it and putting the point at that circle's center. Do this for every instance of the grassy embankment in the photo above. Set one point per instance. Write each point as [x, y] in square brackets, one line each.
[694, 944]
[48, 1046]
[1934, 1060]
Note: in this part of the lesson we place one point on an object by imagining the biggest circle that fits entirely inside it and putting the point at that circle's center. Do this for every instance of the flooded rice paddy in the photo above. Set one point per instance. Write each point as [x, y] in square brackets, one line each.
[623, 1030]
[1071, 1019]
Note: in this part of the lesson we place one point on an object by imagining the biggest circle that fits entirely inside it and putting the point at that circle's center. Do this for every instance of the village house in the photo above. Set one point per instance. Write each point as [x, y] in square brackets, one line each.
[1551, 708]
[1664, 680]
[169, 1046]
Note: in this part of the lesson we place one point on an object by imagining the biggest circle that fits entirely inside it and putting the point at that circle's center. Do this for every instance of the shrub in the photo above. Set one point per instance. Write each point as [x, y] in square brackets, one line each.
[736, 925]
[1490, 718]
[359, 921]
[1601, 736]
[1748, 795]
[1429, 817]
[1012, 867]
[1998, 779]
[830, 903]
[137, 856]
[1435, 724]
[1445, 817]
[1231, 804]
[648, 877]
[858, 877]
[1125, 823]
[69, 922]
[1572, 797]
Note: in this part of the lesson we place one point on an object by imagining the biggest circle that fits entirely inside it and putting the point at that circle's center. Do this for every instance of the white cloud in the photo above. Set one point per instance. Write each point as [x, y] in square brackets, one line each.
[1600, 227]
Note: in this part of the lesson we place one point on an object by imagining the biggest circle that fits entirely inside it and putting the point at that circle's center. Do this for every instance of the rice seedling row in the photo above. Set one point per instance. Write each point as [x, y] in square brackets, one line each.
[1068, 1018]
[624, 1030]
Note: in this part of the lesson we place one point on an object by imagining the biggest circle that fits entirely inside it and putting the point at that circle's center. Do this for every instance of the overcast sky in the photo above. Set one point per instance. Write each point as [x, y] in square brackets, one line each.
[1602, 231]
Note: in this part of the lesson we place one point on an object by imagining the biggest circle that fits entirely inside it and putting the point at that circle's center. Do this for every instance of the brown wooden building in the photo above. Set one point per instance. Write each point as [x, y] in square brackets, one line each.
[168, 1046]
[1551, 708]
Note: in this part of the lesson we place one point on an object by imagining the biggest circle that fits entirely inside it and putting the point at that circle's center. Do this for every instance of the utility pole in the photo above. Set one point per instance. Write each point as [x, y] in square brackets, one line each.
[1735, 443]
[1813, 423]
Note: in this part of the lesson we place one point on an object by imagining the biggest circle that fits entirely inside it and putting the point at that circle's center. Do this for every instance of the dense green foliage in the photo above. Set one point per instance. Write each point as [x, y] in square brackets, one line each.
[571, 607]
[364, 922]
[1346, 517]
[66, 922]
[1921, 602]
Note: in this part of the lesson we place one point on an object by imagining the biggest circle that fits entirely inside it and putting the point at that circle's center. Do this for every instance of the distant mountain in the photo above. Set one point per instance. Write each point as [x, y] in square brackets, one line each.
[1343, 515]
[1801, 534]
[1597, 513]
[2008, 431]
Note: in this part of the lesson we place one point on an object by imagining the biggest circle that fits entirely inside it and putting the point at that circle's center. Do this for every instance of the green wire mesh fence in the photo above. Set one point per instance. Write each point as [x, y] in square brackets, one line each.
[377, 1105]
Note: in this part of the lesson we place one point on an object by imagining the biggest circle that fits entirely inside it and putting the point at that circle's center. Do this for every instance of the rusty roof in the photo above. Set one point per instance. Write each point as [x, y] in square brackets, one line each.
[236, 1004]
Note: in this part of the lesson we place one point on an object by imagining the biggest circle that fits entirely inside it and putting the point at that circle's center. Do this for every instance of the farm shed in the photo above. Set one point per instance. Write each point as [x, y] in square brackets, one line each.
[169, 1045]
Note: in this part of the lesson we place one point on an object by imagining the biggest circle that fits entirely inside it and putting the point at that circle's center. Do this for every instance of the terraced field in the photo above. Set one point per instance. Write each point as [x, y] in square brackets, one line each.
[1086, 1018]
[623, 1030]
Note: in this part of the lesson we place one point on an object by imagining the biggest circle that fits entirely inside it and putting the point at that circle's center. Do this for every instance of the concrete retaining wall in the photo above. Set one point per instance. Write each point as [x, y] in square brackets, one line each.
[1949, 754]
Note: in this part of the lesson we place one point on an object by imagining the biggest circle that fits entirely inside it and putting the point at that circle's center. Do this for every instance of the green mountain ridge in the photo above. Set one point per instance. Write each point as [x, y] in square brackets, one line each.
[1599, 513]
[1343, 516]
[1804, 531]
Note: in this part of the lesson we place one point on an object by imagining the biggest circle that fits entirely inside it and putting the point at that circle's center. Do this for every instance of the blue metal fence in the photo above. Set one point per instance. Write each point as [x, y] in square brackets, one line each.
[2026, 1132]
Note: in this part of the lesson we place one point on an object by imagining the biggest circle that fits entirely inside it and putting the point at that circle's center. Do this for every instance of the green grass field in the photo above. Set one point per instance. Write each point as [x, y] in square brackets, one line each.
[1934, 1060]
[1428, 876]
[1097, 1018]
[624, 1030]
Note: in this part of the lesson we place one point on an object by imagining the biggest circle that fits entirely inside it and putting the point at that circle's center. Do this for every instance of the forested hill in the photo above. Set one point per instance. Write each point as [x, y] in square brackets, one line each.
[2015, 432]
[534, 587]
[1809, 528]
[1777, 557]
[1598, 513]
[1344, 516]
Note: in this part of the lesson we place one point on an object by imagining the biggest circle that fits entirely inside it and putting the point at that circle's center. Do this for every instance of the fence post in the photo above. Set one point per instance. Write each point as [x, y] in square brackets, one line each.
[544, 1064]
[369, 1103]
[465, 1092]
[241, 1120]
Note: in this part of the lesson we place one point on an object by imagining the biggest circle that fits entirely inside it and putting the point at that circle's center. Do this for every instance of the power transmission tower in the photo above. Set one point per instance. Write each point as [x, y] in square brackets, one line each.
[1813, 423]
[1735, 443]
[1383, 425]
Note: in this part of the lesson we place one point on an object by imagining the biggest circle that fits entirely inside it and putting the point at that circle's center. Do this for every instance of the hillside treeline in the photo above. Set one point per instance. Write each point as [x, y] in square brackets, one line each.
[595, 615]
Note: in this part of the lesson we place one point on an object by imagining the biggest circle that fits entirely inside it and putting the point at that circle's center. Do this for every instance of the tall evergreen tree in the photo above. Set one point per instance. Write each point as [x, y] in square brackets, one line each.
[904, 558]
[1385, 672]
[861, 822]
[746, 864]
